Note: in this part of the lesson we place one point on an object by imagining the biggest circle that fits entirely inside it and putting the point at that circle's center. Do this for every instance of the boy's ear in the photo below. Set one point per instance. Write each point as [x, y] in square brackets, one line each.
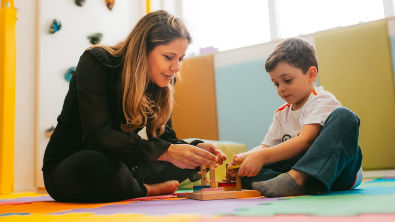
[313, 73]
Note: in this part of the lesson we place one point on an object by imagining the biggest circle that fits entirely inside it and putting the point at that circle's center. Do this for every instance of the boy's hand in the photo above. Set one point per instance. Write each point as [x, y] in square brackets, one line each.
[251, 164]
[221, 157]
[237, 159]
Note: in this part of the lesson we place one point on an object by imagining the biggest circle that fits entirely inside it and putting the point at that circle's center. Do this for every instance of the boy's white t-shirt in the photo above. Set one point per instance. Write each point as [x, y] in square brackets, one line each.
[288, 123]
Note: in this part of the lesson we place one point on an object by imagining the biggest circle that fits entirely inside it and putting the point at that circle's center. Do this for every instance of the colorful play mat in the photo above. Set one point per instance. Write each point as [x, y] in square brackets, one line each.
[374, 200]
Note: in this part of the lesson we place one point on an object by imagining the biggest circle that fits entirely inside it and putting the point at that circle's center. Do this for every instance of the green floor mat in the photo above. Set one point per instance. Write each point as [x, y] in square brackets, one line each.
[377, 196]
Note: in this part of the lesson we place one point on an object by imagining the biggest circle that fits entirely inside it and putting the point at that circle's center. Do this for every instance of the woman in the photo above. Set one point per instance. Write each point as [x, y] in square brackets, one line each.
[96, 153]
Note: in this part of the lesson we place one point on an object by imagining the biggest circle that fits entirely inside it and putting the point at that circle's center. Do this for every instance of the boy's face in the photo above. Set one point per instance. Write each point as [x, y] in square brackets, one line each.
[292, 84]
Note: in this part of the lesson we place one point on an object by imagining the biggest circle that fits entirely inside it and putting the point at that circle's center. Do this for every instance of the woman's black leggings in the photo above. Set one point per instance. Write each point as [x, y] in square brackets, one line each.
[91, 176]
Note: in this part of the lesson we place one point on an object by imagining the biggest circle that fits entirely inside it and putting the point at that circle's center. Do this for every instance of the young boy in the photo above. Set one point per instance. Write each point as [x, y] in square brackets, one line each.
[312, 144]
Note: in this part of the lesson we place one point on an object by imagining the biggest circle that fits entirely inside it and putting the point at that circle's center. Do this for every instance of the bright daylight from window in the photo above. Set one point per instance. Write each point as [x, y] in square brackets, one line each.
[228, 24]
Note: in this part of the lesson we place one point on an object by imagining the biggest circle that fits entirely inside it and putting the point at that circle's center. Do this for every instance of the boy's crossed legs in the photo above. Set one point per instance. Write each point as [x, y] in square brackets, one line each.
[330, 163]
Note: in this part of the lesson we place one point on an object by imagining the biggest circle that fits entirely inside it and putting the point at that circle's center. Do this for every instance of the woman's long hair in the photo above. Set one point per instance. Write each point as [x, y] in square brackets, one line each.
[154, 29]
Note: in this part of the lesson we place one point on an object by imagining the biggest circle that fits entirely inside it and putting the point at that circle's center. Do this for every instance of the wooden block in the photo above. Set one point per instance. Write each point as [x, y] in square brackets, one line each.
[203, 173]
[212, 189]
[231, 188]
[238, 182]
[227, 184]
[212, 176]
[224, 195]
[237, 166]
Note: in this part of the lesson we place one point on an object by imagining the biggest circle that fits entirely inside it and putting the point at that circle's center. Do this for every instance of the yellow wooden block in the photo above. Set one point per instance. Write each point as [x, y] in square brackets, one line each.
[237, 166]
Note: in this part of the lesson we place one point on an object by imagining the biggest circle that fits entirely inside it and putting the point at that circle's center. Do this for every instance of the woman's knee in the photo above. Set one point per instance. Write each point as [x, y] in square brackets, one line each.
[91, 164]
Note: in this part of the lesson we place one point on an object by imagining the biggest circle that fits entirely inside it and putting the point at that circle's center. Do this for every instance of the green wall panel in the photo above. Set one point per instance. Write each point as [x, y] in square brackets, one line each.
[355, 65]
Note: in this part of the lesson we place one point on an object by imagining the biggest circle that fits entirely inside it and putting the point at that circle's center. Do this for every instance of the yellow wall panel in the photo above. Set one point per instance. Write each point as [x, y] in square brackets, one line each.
[355, 65]
[195, 110]
[7, 94]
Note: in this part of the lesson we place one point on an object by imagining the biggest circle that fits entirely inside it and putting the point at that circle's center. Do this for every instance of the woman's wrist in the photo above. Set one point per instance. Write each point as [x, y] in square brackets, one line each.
[196, 142]
[165, 155]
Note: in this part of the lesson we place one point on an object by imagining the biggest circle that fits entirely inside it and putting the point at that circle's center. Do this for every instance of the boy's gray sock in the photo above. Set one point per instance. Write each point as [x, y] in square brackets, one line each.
[280, 186]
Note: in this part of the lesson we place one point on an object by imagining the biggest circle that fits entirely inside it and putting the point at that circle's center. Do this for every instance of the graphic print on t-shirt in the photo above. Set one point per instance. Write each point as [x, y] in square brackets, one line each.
[285, 137]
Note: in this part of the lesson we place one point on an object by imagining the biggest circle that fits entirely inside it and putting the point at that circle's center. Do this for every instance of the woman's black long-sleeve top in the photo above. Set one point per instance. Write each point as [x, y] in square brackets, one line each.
[92, 115]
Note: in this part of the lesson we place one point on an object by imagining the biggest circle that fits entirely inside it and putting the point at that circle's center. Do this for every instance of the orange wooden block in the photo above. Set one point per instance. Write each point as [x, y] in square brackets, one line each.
[238, 182]
[212, 176]
[203, 173]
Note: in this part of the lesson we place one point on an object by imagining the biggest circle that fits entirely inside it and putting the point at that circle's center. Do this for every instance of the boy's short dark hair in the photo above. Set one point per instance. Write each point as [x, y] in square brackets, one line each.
[294, 51]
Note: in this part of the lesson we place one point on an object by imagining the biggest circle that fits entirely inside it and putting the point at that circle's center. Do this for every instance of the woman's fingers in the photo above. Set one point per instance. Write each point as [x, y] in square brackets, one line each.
[188, 156]
[206, 155]
[191, 164]
[188, 163]
[214, 150]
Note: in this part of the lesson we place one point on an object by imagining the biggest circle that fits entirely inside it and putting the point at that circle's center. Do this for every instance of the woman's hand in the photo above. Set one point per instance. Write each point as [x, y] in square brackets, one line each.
[214, 150]
[186, 156]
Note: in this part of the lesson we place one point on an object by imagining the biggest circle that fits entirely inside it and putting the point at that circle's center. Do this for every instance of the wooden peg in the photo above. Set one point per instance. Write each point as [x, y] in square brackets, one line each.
[212, 176]
[203, 173]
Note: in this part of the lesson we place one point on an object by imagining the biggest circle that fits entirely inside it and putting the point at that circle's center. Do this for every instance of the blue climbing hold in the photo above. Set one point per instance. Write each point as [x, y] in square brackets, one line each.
[69, 73]
[55, 26]
[80, 2]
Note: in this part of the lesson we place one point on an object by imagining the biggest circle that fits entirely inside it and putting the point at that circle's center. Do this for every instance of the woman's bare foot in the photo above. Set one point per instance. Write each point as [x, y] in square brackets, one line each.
[166, 187]
[299, 177]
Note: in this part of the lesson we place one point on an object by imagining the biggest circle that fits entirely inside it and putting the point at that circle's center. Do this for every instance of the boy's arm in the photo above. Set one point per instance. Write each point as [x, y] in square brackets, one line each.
[258, 148]
[238, 158]
[294, 146]
[253, 162]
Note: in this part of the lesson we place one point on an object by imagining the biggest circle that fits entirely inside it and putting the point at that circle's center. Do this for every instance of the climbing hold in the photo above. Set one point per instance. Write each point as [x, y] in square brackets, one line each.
[110, 3]
[55, 26]
[49, 131]
[95, 38]
[80, 2]
[69, 73]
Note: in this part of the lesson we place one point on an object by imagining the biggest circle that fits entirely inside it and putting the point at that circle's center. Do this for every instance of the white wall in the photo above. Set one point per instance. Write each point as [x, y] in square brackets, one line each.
[52, 55]
[25, 94]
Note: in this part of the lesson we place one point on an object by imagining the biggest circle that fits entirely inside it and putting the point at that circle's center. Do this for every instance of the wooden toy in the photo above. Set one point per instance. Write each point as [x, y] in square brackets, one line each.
[225, 190]
[212, 176]
[203, 173]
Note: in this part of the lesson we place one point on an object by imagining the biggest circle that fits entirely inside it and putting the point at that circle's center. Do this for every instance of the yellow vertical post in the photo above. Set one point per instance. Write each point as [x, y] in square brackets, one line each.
[148, 6]
[7, 94]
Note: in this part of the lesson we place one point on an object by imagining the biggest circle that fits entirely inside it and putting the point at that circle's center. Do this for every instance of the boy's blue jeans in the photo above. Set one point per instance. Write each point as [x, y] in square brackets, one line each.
[332, 161]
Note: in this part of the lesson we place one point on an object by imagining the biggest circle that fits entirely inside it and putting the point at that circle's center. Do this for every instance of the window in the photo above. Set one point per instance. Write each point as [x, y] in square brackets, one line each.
[308, 16]
[226, 24]
[229, 24]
